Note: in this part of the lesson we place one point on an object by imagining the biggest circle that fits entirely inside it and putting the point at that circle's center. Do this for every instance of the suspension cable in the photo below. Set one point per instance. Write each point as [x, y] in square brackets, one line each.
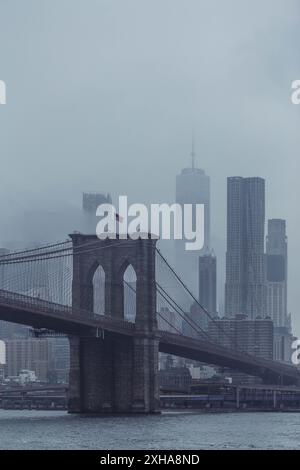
[204, 309]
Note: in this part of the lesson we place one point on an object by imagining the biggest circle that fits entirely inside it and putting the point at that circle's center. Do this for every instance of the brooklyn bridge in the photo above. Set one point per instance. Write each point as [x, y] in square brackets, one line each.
[113, 358]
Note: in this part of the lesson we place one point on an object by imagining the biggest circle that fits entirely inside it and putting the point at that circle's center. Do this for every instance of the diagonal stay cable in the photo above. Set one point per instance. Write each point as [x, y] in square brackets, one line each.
[188, 320]
[158, 313]
[204, 309]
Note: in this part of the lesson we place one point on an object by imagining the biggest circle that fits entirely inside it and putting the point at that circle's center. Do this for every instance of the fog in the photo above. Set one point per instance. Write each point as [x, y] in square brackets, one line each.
[104, 95]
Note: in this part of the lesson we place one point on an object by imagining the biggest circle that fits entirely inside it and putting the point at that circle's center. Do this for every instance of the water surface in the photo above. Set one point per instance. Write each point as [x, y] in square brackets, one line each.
[59, 430]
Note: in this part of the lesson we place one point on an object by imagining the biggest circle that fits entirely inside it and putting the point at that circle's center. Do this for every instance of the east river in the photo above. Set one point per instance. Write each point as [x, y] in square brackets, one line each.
[59, 430]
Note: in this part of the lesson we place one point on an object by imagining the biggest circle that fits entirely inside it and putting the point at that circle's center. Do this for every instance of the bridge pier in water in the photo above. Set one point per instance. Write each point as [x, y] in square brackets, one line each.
[109, 376]
[115, 373]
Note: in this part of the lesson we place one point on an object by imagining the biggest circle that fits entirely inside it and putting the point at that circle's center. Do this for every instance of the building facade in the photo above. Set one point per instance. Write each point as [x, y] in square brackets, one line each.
[283, 340]
[245, 289]
[255, 337]
[276, 259]
[30, 354]
[208, 286]
[192, 187]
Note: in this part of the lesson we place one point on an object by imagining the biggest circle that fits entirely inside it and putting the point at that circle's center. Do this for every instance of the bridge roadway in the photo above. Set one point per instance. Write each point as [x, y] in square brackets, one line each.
[37, 313]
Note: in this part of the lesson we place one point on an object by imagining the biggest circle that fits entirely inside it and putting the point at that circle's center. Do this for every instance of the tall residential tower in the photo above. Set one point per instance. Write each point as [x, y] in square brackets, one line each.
[245, 290]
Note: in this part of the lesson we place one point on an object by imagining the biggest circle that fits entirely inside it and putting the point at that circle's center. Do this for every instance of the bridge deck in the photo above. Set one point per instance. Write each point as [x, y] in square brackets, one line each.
[38, 313]
[205, 351]
[18, 308]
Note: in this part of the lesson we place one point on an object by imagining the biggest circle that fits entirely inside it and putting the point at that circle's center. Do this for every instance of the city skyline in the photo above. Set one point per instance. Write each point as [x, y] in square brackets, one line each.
[149, 227]
[87, 223]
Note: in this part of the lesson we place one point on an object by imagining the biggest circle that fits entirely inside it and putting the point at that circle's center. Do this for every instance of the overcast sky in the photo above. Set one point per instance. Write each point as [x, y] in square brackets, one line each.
[103, 95]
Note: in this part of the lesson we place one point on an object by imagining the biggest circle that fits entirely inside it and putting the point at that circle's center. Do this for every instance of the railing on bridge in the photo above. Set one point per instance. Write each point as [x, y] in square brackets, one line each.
[21, 301]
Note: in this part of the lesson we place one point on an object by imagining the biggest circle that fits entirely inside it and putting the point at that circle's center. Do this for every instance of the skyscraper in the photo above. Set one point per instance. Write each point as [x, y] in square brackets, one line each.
[245, 290]
[208, 285]
[192, 187]
[276, 251]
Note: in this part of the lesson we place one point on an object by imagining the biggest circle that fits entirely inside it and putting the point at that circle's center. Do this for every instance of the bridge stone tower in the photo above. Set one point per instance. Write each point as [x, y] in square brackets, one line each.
[114, 373]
